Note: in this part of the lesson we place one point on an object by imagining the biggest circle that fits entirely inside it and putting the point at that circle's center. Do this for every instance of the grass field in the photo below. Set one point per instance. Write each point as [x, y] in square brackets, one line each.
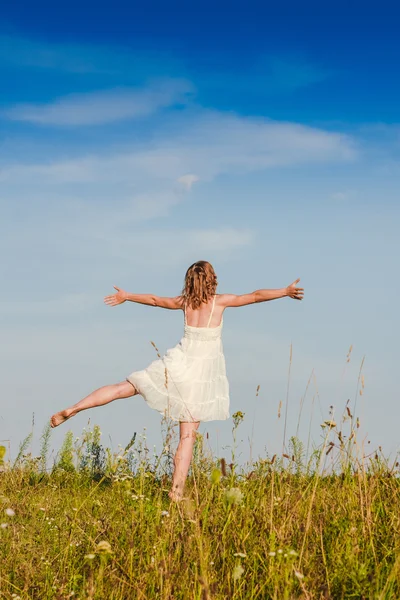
[98, 525]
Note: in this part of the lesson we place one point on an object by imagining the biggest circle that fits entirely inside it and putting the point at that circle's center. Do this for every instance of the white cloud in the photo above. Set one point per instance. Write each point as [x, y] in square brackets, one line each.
[187, 181]
[104, 106]
[201, 142]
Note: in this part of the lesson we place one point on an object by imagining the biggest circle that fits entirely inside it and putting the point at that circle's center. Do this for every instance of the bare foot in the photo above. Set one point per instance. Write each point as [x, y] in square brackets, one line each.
[175, 496]
[60, 417]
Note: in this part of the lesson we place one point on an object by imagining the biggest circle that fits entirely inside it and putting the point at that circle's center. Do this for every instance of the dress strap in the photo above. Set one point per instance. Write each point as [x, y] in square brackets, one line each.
[212, 312]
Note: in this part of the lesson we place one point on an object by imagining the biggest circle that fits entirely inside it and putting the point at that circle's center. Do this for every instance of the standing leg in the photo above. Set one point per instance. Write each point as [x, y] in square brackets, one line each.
[183, 457]
[103, 395]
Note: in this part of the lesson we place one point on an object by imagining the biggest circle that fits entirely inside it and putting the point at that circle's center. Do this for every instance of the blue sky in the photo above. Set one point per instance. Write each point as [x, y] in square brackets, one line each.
[135, 140]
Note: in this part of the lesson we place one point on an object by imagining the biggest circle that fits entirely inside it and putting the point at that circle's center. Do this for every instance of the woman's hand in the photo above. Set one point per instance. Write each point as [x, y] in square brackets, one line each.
[117, 298]
[295, 292]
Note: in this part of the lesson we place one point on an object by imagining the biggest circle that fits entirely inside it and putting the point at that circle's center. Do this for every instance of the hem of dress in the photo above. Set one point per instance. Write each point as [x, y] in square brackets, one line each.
[164, 412]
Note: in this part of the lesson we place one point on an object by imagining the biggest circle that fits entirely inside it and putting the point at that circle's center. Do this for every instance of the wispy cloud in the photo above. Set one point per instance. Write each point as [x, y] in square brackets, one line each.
[86, 59]
[288, 74]
[205, 143]
[268, 76]
[104, 106]
[187, 181]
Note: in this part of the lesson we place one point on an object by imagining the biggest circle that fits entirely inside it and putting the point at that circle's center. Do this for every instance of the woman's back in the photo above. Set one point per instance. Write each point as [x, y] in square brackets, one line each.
[209, 314]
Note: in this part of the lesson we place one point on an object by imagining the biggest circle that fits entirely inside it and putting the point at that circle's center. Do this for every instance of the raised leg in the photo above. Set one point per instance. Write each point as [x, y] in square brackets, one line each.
[182, 459]
[101, 396]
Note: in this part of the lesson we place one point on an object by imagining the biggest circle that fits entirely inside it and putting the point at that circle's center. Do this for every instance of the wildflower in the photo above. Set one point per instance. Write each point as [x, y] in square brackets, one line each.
[90, 556]
[42, 509]
[10, 512]
[103, 547]
[164, 513]
[240, 554]
[329, 424]
[233, 496]
[293, 553]
[216, 476]
[280, 551]
[4, 525]
[212, 562]
[237, 572]
[299, 575]
[271, 553]
[237, 418]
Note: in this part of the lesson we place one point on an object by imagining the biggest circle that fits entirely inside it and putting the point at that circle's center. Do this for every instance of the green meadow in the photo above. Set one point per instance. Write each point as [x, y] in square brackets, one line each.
[309, 523]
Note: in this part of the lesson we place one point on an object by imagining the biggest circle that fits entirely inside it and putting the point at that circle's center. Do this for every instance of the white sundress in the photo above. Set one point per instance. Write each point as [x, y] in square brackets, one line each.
[189, 383]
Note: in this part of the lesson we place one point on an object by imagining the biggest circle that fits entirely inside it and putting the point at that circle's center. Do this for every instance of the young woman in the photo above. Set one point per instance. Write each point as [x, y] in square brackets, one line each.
[189, 383]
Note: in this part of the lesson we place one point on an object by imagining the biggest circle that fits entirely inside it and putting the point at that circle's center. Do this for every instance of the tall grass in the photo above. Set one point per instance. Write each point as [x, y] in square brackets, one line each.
[99, 525]
[317, 522]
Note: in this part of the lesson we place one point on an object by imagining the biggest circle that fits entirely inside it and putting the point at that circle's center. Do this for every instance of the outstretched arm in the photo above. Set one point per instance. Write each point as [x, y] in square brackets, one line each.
[231, 300]
[149, 299]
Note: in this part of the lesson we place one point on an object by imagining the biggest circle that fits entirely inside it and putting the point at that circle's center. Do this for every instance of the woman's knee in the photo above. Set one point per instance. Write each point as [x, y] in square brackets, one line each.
[188, 430]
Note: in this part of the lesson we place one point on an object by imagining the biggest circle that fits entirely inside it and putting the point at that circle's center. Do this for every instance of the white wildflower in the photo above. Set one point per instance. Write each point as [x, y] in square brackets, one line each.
[293, 553]
[237, 572]
[90, 556]
[4, 525]
[280, 551]
[240, 554]
[9, 512]
[103, 547]
[271, 553]
[299, 575]
[164, 513]
[233, 496]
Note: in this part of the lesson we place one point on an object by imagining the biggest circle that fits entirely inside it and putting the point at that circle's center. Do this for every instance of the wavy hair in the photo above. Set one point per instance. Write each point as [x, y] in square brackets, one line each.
[200, 284]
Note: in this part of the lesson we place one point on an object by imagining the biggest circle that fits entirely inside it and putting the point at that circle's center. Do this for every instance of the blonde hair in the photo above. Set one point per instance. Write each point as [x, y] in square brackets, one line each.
[200, 284]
